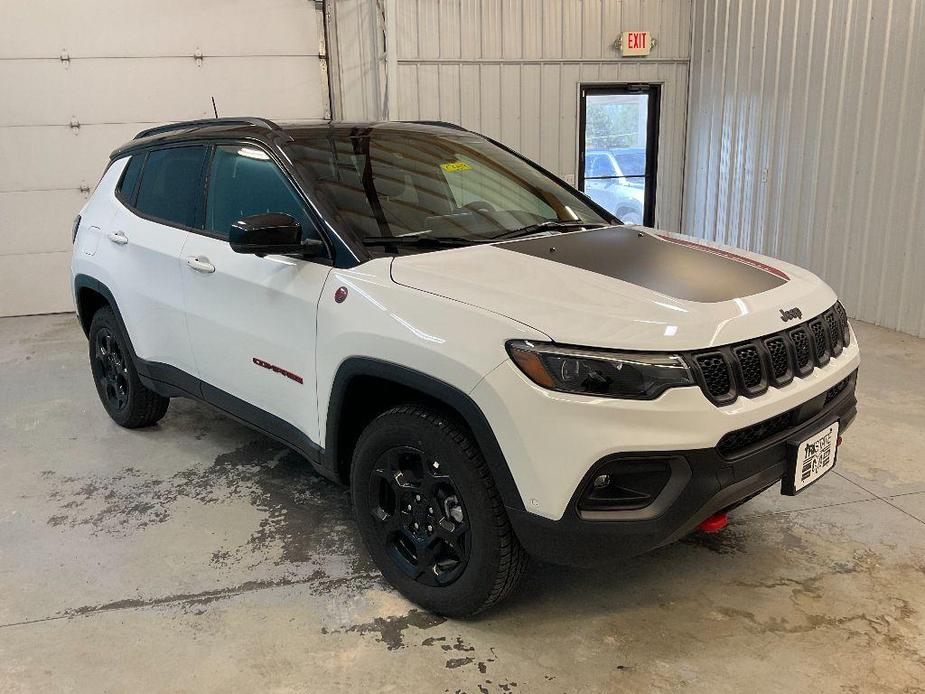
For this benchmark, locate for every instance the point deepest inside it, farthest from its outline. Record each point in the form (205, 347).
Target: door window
(619, 138)
(171, 184)
(244, 181)
(126, 189)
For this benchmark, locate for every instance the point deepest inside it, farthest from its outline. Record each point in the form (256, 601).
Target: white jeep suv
(494, 363)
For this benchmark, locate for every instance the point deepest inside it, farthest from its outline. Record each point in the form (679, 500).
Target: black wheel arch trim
(170, 381)
(455, 399)
(81, 282)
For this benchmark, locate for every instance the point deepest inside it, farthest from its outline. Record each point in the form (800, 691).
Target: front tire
(430, 514)
(122, 393)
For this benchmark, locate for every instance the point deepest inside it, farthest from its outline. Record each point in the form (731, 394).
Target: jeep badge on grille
(790, 314)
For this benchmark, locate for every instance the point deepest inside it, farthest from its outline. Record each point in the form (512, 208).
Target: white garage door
(77, 79)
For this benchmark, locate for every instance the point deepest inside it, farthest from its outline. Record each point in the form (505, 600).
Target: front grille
(750, 364)
(836, 390)
(780, 359)
(835, 333)
(740, 440)
(804, 352)
(842, 317)
(715, 374)
(749, 368)
(820, 344)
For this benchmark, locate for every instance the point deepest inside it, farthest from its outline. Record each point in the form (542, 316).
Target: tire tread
(145, 407)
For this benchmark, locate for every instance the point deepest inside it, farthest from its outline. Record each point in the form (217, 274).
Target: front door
(252, 319)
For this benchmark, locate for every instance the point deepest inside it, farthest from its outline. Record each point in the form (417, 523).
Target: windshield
(380, 183)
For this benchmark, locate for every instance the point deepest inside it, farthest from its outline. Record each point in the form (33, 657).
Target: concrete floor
(200, 556)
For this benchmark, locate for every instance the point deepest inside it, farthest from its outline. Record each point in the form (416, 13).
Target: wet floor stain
(303, 515)
(391, 630)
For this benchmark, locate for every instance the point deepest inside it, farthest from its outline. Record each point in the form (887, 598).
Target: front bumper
(705, 482)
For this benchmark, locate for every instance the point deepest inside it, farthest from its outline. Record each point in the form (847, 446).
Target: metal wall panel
(141, 28)
(355, 47)
(511, 70)
(807, 141)
(116, 68)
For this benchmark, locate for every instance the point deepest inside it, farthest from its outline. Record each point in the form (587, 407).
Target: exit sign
(635, 43)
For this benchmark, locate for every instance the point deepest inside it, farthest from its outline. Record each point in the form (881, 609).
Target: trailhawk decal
(276, 369)
(675, 268)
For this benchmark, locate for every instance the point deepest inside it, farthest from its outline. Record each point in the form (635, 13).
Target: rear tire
(430, 514)
(122, 393)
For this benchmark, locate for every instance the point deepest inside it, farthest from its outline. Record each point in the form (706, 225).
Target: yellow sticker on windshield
(452, 166)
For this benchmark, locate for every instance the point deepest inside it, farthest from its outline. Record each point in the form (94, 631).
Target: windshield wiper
(420, 241)
(549, 224)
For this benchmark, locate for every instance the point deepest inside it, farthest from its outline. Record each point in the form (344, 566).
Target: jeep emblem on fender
(790, 314)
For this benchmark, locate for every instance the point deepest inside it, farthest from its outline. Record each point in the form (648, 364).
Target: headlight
(592, 372)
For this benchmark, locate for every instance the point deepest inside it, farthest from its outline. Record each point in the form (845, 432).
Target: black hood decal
(670, 266)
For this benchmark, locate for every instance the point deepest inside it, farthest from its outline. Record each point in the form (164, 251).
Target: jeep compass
(496, 365)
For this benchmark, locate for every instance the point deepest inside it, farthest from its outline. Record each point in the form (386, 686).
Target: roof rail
(441, 123)
(180, 125)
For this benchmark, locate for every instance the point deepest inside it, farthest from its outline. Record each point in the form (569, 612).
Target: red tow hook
(714, 523)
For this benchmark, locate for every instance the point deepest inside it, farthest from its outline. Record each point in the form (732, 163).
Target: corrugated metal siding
(127, 65)
(511, 69)
(807, 142)
(355, 36)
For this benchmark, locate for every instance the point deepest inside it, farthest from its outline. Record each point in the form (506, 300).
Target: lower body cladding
(627, 503)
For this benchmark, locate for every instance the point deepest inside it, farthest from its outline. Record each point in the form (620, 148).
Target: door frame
(654, 90)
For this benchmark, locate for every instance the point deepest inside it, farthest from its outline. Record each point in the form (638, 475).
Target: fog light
(601, 481)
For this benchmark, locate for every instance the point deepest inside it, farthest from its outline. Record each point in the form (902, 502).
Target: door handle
(119, 238)
(200, 264)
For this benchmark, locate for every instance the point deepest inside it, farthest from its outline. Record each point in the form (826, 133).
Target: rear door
(252, 319)
(159, 195)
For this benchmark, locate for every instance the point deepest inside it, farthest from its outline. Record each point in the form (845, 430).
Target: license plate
(814, 457)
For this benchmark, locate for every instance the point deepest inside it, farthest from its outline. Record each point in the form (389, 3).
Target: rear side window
(244, 181)
(130, 176)
(171, 184)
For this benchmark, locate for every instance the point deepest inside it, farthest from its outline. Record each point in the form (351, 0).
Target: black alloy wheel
(420, 515)
(111, 370)
(124, 396)
(429, 513)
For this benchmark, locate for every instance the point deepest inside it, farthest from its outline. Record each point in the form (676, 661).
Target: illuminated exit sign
(635, 43)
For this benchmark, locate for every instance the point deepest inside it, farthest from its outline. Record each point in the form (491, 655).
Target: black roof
(263, 130)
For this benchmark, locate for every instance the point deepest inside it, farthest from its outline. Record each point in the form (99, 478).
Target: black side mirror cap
(273, 233)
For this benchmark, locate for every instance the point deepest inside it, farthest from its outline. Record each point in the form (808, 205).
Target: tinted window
(244, 181)
(171, 183)
(130, 176)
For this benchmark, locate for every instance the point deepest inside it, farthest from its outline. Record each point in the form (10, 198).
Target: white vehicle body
(275, 332)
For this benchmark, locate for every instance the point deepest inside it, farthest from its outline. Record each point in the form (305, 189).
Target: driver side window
(244, 181)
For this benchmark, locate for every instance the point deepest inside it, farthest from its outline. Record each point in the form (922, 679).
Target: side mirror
(273, 233)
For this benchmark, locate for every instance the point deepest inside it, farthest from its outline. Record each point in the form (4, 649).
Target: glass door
(619, 148)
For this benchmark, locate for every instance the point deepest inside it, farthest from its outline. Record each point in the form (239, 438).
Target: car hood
(622, 287)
